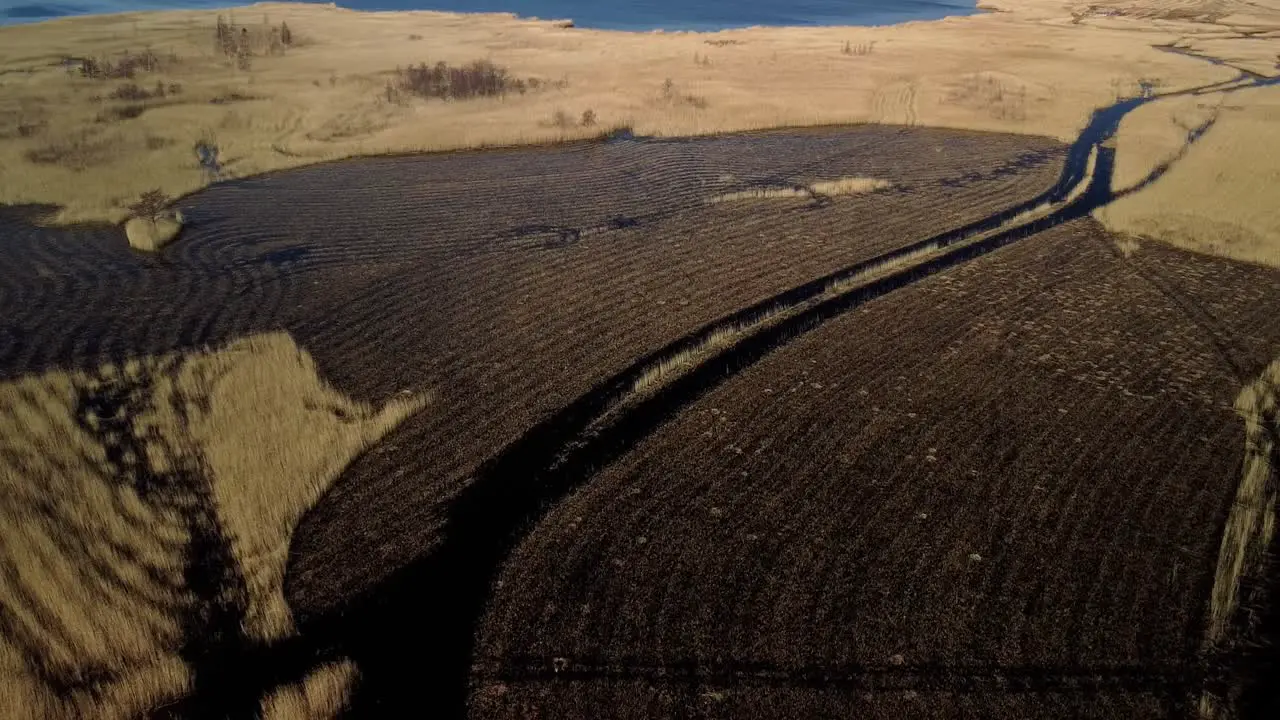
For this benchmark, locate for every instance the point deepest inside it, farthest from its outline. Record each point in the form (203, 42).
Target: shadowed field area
(146, 518)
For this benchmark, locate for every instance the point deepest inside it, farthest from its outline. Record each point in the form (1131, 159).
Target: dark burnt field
(994, 491)
(998, 492)
(462, 274)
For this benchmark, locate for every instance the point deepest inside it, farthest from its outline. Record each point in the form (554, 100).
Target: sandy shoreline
(1036, 68)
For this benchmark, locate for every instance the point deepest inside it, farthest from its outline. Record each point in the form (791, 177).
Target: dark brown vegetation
(631, 260)
(124, 66)
(479, 276)
(131, 91)
(514, 271)
(480, 78)
(150, 204)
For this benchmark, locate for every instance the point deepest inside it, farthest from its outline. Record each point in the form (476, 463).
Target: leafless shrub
(588, 118)
(150, 205)
(702, 60)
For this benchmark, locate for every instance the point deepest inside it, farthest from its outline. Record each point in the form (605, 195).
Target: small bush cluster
(132, 92)
(480, 78)
(859, 49)
(241, 42)
(124, 67)
(672, 97)
(124, 112)
(565, 121)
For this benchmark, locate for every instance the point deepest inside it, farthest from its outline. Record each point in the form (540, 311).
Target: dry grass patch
(1219, 198)
(106, 481)
(822, 188)
(1251, 523)
(1127, 246)
(320, 696)
(849, 186)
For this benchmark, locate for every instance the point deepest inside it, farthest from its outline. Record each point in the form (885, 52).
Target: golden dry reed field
(91, 144)
(121, 486)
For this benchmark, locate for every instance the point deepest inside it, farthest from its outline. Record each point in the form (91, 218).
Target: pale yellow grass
(320, 696)
(1220, 198)
(849, 186)
(830, 188)
(1156, 133)
(92, 567)
(1009, 71)
(1251, 522)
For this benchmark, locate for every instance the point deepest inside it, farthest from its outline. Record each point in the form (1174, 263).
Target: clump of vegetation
(702, 60)
(480, 78)
(722, 43)
(588, 118)
(1127, 246)
(125, 66)
(133, 92)
(124, 112)
(206, 151)
(983, 90)
(671, 96)
(241, 43)
(859, 49)
(561, 120)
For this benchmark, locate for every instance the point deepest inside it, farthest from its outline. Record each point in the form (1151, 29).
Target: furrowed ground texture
(506, 282)
(999, 492)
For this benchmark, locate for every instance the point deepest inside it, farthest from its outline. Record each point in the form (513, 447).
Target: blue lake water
(609, 14)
